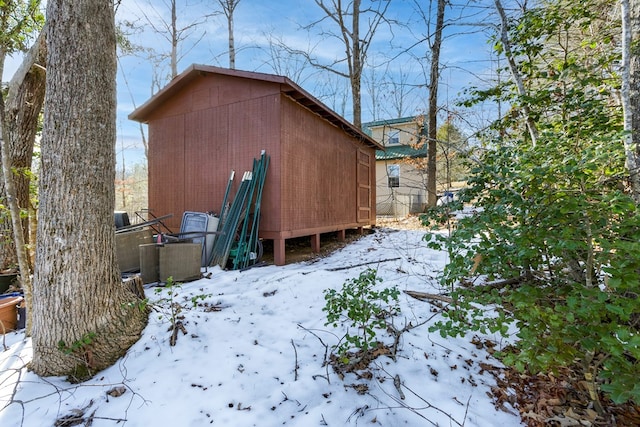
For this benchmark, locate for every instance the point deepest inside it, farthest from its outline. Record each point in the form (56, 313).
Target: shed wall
(320, 179)
(194, 143)
(166, 168)
(319, 174)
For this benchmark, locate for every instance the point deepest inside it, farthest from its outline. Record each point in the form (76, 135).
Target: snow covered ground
(254, 355)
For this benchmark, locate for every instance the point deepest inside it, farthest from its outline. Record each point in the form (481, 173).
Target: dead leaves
(556, 400)
(177, 326)
(352, 362)
(76, 417)
(117, 391)
(361, 389)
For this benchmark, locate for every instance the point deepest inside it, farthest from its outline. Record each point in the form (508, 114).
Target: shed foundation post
(342, 235)
(315, 243)
(278, 252)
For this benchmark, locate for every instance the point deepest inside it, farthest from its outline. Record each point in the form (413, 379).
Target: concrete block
(127, 252)
(180, 261)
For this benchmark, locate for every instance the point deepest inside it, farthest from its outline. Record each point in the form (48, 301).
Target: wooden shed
(209, 121)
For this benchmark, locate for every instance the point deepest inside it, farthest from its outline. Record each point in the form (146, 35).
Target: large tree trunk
(83, 318)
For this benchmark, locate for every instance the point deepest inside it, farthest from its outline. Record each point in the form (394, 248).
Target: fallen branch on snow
(361, 264)
(423, 296)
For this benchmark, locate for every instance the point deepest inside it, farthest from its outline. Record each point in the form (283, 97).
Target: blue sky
(393, 72)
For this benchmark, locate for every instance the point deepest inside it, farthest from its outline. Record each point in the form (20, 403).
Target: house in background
(401, 186)
(209, 120)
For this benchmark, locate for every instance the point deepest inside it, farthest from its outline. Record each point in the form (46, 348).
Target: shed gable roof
(288, 87)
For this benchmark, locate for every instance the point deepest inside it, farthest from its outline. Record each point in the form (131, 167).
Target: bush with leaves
(170, 307)
(553, 218)
(366, 308)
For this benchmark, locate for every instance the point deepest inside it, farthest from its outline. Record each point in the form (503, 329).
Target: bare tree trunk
(143, 136)
(181, 38)
(635, 77)
(515, 74)
(631, 90)
(356, 66)
(24, 104)
(228, 8)
(356, 44)
(25, 99)
(174, 40)
(83, 318)
(232, 47)
(432, 126)
(25, 96)
(11, 200)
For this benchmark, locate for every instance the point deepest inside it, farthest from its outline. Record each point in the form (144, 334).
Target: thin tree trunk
(12, 201)
(356, 72)
(635, 77)
(513, 68)
(174, 40)
(8, 257)
(83, 317)
(356, 44)
(232, 48)
(25, 99)
(228, 8)
(143, 136)
(19, 123)
(24, 104)
(432, 126)
(631, 91)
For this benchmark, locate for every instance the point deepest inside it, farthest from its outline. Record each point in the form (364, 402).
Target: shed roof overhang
(288, 87)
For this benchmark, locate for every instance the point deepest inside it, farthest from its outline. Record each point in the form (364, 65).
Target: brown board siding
(319, 172)
(254, 126)
(206, 146)
(206, 160)
(364, 184)
(166, 168)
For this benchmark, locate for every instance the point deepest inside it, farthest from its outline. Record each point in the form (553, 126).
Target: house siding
(411, 195)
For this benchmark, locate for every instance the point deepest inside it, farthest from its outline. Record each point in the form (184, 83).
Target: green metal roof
(400, 152)
(366, 127)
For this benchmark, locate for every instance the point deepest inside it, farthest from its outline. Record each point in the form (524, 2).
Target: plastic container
(9, 313)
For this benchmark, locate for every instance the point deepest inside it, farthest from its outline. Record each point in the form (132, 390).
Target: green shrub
(365, 308)
(553, 222)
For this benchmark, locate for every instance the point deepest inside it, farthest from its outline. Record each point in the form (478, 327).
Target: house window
(394, 137)
(393, 173)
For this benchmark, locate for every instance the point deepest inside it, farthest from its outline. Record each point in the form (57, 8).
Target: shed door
(364, 186)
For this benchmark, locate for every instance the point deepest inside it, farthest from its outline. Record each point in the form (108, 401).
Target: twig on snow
(397, 333)
(415, 410)
(466, 411)
(361, 264)
(325, 361)
(398, 386)
(295, 369)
